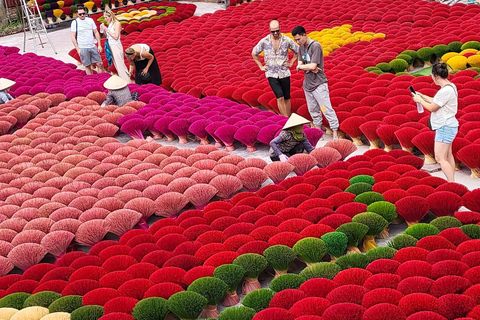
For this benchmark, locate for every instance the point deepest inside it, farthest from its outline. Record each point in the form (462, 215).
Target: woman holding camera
(443, 107)
(142, 58)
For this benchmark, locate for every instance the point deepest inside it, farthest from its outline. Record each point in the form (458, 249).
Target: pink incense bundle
(277, 171)
(302, 162)
(91, 232)
(252, 178)
(226, 134)
(169, 204)
(424, 141)
(180, 128)
(405, 136)
(211, 128)
(326, 156)
(313, 135)
(227, 185)
(345, 147)
(248, 136)
(162, 124)
(57, 242)
(267, 133)
(200, 194)
(198, 128)
(134, 128)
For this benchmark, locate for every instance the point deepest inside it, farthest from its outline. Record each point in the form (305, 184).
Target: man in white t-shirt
(82, 32)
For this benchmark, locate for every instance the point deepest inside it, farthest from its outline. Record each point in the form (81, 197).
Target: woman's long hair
(109, 13)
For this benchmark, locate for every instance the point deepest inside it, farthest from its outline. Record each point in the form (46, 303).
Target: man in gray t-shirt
(315, 84)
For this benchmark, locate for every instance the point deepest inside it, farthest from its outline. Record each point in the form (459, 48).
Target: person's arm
(131, 68)
(294, 48)
(425, 97)
(73, 33)
(430, 106)
(149, 57)
(99, 42)
(315, 56)
(108, 99)
(255, 53)
(258, 62)
(3, 97)
(441, 98)
(274, 144)
(307, 145)
(292, 61)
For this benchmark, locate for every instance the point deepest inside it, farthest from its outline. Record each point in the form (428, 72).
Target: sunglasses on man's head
(275, 31)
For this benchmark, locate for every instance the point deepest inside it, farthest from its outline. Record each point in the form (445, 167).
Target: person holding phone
(443, 107)
(315, 83)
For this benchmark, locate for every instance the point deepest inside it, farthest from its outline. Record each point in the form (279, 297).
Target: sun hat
(6, 83)
(295, 120)
(115, 83)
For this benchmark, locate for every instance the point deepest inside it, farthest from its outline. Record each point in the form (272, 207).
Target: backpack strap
(454, 89)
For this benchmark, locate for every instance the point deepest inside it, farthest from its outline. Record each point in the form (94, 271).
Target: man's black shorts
(280, 87)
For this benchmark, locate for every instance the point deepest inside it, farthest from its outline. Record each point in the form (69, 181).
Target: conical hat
(6, 83)
(295, 120)
(115, 83)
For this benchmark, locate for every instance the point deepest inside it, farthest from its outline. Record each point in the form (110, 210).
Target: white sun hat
(295, 120)
(6, 83)
(115, 83)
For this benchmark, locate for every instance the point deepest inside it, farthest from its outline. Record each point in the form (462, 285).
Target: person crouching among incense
(291, 140)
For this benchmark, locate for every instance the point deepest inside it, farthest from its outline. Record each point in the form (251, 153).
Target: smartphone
(412, 90)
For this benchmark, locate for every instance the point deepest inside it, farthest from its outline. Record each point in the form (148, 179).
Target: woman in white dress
(112, 32)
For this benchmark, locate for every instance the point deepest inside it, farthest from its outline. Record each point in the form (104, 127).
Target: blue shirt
(5, 97)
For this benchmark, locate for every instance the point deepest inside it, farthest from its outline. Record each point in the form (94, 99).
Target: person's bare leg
(451, 159)
(281, 106)
(88, 70)
(335, 134)
(288, 107)
(441, 155)
(100, 68)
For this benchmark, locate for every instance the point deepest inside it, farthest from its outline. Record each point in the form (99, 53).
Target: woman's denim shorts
(446, 134)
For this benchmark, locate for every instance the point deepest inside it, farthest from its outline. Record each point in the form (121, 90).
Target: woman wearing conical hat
(118, 92)
(5, 85)
(291, 140)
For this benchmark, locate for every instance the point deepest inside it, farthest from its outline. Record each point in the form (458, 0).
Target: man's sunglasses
(82, 14)
(275, 31)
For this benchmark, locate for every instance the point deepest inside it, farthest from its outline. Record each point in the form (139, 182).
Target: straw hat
(115, 83)
(6, 83)
(295, 120)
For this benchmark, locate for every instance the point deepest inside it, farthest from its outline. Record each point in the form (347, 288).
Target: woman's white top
(447, 99)
(143, 47)
(111, 29)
